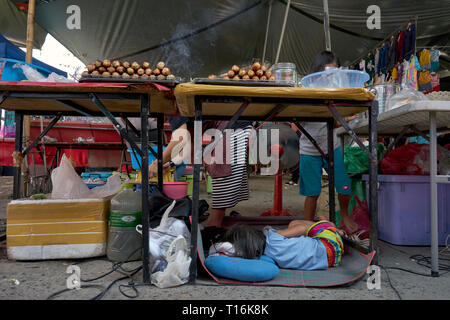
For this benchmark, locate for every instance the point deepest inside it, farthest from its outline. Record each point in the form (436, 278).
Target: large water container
(125, 215)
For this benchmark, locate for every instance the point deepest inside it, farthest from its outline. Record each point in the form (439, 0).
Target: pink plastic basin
(175, 190)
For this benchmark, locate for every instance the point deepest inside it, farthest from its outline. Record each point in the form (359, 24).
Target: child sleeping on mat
(303, 245)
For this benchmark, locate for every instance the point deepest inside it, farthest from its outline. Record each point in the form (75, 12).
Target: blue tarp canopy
(11, 51)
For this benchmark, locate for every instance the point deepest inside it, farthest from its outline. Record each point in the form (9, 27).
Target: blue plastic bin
(135, 163)
(92, 175)
(404, 209)
(15, 74)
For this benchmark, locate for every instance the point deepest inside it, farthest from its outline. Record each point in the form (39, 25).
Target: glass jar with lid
(285, 72)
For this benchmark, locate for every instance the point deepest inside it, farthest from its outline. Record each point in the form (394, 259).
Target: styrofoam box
(404, 209)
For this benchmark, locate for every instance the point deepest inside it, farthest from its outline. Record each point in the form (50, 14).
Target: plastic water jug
(125, 215)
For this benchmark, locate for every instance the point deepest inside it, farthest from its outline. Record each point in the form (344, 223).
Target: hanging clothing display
(425, 81)
(435, 85)
(409, 44)
(370, 66)
(377, 55)
(400, 42)
(362, 65)
(391, 58)
(382, 60)
(434, 59)
(425, 60)
(413, 68)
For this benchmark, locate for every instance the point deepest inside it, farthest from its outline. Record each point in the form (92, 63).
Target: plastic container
(16, 74)
(100, 175)
(383, 93)
(285, 72)
(136, 160)
(336, 78)
(125, 215)
(175, 190)
(404, 209)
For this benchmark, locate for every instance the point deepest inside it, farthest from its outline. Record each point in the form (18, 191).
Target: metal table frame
(409, 128)
(65, 99)
(273, 115)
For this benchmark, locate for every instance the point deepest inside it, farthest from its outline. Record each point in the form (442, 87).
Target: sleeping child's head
(248, 242)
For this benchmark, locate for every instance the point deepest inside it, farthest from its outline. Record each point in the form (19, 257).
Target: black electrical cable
(115, 268)
(390, 283)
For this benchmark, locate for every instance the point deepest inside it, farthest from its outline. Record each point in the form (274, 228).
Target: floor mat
(353, 266)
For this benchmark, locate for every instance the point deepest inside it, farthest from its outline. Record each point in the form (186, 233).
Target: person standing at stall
(226, 191)
(312, 163)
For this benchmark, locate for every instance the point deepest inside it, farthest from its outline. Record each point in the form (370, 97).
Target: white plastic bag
(30, 73)
(67, 184)
(111, 187)
(177, 271)
(33, 75)
(405, 96)
(161, 238)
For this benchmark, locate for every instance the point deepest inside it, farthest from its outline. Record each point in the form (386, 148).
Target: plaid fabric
(328, 235)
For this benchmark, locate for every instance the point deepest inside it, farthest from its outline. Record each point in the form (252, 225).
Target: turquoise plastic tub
(336, 78)
(15, 74)
(136, 158)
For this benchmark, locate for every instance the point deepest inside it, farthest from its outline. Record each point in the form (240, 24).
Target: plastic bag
(360, 214)
(409, 159)
(67, 184)
(30, 73)
(178, 261)
(356, 159)
(111, 187)
(33, 75)
(403, 97)
(162, 237)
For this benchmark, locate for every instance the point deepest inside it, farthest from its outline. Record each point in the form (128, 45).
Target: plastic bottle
(125, 215)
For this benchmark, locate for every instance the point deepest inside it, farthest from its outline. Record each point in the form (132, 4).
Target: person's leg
(342, 185)
(215, 219)
(310, 207)
(310, 183)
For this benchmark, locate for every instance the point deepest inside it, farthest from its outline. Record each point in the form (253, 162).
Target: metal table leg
(196, 188)
(373, 179)
(145, 107)
(330, 156)
(434, 197)
(18, 148)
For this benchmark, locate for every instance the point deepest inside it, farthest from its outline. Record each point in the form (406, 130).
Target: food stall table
(271, 103)
(92, 100)
(415, 119)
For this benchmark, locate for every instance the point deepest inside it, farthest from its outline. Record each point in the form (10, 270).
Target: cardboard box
(56, 229)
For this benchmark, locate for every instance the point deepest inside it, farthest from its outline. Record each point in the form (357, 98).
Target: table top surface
(393, 121)
(221, 100)
(49, 97)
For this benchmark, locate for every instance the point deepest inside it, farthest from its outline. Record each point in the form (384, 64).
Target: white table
(414, 119)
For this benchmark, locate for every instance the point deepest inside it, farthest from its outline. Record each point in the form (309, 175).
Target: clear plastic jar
(285, 72)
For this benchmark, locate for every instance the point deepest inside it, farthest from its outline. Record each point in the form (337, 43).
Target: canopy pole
(29, 59)
(29, 55)
(326, 25)
(267, 32)
(288, 6)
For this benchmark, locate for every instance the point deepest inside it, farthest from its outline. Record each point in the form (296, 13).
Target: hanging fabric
(435, 85)
(434, 59)
(400, 42)
(425, 81)
(425, 60)
(409, 45)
